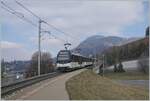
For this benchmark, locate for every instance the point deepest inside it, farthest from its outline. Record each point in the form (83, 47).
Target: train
(69, 61)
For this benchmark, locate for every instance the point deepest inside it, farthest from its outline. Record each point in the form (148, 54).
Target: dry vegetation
(129, 75)
(89, 86)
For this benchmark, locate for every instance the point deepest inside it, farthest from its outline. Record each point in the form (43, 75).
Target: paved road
(140, 83)
(51, 89)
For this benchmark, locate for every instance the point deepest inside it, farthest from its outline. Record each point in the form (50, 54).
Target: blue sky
(138, 29)
(80, 19)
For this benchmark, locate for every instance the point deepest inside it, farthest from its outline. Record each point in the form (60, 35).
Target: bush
(143, 62)
(120, 68)
(115, 68)
(143, 65)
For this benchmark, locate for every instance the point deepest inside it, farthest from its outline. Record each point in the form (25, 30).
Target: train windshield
(63, 56)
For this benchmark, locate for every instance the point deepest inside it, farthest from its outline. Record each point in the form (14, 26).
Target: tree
(115, 68)
(143, 65)
(147, 31)
(143, 61)
(46, 64)
(3, 68)
(120, 67)
(112, 55)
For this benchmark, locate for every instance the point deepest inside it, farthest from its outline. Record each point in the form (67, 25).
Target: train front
(63, 60)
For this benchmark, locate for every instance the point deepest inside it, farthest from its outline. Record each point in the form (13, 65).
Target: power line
(54, 36)
(59, 30)
(12, 11)
(62, 40)
(21, 16)
(27, 9)
(39, 17)
(50, 25)
(7, 10)
(48, 32)
(7, 6)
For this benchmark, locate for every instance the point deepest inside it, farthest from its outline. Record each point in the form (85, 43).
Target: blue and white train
(68, 61)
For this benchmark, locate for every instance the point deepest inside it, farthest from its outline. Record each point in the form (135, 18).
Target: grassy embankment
(89, 86)
(130, 75)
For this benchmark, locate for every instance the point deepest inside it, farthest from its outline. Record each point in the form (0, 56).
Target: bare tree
(2, 68)
(147, 31)
(143, 61)
(46, 64)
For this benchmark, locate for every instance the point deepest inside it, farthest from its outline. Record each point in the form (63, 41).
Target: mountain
(97, 44)
(128, 40)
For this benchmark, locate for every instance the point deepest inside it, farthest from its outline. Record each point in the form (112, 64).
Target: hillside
(129, 51)
(97, 44)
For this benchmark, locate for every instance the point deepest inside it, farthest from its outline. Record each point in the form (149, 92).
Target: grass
(89, 86)
(127, 75)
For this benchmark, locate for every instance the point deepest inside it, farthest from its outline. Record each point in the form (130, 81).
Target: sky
(79, 19)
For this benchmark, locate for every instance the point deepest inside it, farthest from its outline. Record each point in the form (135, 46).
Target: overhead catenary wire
(7, 6)
(27, 9)
(12, 11)
(50, 25)
(22, 17)
(55, 37)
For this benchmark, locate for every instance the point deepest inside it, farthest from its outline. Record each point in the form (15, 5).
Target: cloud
(85, 18)
(80, 19)
(49, 44)
(91, 16)
(14, 51)
(8, 45)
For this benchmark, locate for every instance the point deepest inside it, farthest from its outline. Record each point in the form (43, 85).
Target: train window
(63, 58)
(64, 55)
(64, 52)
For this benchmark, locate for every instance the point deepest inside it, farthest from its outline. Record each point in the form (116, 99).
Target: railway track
(8, 89)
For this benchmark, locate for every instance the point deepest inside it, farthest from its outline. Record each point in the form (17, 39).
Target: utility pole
(39, 45)
(103, 63)
(39, 48)
(95, 62)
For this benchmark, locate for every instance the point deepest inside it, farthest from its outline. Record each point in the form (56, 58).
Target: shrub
(120, 67)
(143, 65)
(115, 68)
